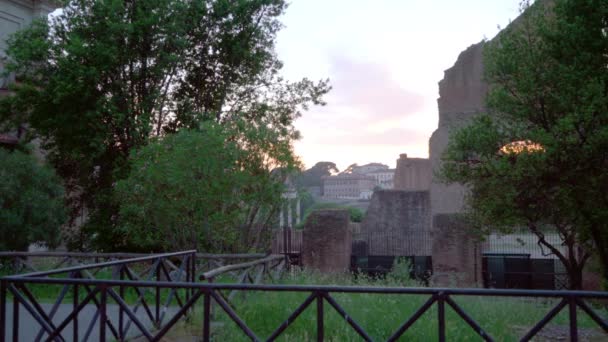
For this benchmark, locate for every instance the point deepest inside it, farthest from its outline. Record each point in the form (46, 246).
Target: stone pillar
(456, 253)
(327, 241)
(289, 215)
(281, 216)
(413, 174)
(298, 211)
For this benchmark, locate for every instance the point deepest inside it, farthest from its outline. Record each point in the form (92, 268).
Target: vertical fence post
(320, 332)
(211, 310)
(3, 310)
(572, 318)
(75, 320)
(15, 319)
(206, 316)
(121, 294)
(157, 296)
(193, 272)
(102, 314)
(441, 316)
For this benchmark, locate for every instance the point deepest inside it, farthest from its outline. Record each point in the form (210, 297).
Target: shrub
(31, 202)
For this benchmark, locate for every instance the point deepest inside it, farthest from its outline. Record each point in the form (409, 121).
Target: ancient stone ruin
(397, 223)
(327, 241)
(412, 174)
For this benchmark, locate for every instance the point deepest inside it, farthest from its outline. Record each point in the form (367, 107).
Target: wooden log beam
(215, 272)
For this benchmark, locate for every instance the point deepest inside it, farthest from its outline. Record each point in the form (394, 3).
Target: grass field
(505, 319)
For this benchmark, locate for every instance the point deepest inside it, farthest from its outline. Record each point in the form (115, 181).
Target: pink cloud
(370, 89)
(393, 136)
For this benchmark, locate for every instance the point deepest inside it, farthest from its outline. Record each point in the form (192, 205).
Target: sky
(384, 59)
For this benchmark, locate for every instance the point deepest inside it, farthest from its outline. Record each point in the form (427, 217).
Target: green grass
(505, 319)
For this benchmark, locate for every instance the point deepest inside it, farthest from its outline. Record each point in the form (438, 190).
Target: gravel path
(29, 327)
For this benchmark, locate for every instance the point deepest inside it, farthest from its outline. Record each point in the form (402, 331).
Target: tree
(31, 203)
(350, 169)
(314, 175)
(537, 159)
(203, 189)
(103, 77)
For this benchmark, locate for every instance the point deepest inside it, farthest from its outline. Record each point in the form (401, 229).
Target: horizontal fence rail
(104, 291)
(158, 311)
(39, 261)
(157, 267)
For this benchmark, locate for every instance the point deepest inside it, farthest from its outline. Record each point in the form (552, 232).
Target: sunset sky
(384, 59)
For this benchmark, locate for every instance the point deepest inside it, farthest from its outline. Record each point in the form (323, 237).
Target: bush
(202, 189)
(31, 202)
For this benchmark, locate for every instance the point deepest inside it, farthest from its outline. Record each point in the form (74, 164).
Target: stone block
(413, 174)
(456, 252)
(397, 223)
(327, 241)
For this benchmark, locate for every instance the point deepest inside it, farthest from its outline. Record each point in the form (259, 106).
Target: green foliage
(202, 189)
(314, 175)
(549, 85)
(401, 271)
(31, 203)
(306, 201)
(104, 77)
(356, 214)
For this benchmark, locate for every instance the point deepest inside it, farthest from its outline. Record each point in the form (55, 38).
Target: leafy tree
(202, 189)
(314, 175)
(350, 169)
(31, 203)
(538, 158)
(103, 77)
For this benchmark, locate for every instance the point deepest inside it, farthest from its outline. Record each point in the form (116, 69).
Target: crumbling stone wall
(456, 253)
(327, 241)
(412, 174)
(397, 223)
(462, 95)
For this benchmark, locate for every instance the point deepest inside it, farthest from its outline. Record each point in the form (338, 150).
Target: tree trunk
(601, 246)
(575, 274)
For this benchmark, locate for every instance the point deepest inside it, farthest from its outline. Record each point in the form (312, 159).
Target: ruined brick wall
(412, 174)
(397, 223)
(456, 253)
(461, 96)
(327, 241)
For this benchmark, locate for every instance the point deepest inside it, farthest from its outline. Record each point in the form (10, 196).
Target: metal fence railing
(148, 293)
(168, 267)
(21, 262)
(103, 291)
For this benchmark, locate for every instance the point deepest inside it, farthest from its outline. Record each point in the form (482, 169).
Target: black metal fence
(519, 271)
(103, 291)
(174, 275)
(20, 262)
(89, 289)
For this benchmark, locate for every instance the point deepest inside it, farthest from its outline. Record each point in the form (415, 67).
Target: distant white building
(367, 168)
(14, 16)
(384, 178)
(366, 194)
(347, 185)
(18, 14)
